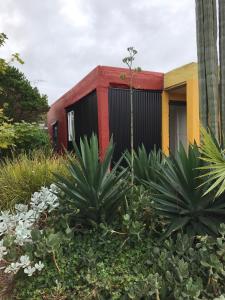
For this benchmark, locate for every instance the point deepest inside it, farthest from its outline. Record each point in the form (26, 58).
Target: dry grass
(26, 174)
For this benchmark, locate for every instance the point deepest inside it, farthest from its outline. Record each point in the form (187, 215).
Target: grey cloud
(62, 40)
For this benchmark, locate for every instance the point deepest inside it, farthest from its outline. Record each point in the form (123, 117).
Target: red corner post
(103, 119)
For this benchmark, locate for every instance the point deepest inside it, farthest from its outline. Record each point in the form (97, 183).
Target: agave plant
(214, 156)
(145, 164)
(93, 193)
(180, 196)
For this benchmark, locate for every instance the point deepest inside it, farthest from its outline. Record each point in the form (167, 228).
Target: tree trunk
(201, 64)
(222, 66)
(206, 22)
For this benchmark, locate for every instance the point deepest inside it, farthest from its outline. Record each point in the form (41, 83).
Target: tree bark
(206, 24)
(222, 66)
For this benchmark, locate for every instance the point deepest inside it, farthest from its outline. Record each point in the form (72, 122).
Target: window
(71, 129)
(55, 137)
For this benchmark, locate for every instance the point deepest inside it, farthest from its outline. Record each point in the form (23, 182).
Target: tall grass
(26, 174)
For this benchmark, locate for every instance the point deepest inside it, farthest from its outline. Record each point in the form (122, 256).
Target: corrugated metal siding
(55, 136)
(147, 119)
(85, 117)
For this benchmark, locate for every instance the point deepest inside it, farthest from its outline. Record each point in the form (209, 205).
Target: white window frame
(70, 126)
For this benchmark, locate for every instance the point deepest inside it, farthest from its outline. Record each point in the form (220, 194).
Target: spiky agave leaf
(93, 189)
(180, 197)
(145, 164)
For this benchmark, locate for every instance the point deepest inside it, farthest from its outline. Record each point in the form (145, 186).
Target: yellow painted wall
(193, 122)
(180, 75)
(184, 76)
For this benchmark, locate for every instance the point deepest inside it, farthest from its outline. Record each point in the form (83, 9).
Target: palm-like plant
(145, 164)
(181, 198)
(93, 193)
(214, 156)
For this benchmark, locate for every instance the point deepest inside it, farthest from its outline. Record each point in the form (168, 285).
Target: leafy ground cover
(98, 266)
(102, 238)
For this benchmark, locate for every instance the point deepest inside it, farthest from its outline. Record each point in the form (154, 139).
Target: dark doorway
(178, 125)
(147, 119)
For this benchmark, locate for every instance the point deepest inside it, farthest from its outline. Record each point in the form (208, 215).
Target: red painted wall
(99, 79)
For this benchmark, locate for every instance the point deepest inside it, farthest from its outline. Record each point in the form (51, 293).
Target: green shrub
(139, 215)
(94, 193)
(100, 267)
(21, 137)
(30, 136)
(7, 133)
(22, 176)
(180, 196)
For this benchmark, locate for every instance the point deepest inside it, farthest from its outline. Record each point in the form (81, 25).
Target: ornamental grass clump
(21, 176)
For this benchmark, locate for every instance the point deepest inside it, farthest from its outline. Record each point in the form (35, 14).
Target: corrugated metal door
(85, 117)
(147, 119)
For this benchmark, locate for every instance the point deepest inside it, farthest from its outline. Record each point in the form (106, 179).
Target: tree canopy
(19, 99)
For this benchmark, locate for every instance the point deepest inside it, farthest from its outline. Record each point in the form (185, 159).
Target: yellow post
(192, 100)
(165, 122)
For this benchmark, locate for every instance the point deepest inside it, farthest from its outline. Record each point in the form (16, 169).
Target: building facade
(166, 109)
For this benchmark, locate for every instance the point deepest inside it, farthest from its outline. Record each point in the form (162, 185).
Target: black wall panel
(147, 119)
(85, 117)
(55, 129)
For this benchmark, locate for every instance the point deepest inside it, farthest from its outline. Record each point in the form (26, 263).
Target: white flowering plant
(21, 233)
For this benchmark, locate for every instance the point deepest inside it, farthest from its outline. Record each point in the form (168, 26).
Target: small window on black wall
(55, 135)
(71, 128)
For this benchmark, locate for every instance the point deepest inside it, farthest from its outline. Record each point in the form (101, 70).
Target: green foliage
(180, 196)
(21, 136)
(214, 156)
(128, 60)
(140, 215)
(19, 99)
(3, 38)
(146, 164)
(3, 63)
(22, 176)
(123, 257)
(96, 267)
(94, 193)
(14, 57)
(30, 136)
(7, 133)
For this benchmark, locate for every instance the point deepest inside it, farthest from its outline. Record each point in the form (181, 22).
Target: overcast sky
(62, 40)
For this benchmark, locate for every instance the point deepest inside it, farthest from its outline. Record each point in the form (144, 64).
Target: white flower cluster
(3, 250)
(25, 263)
(45, 199)
(19, 225)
